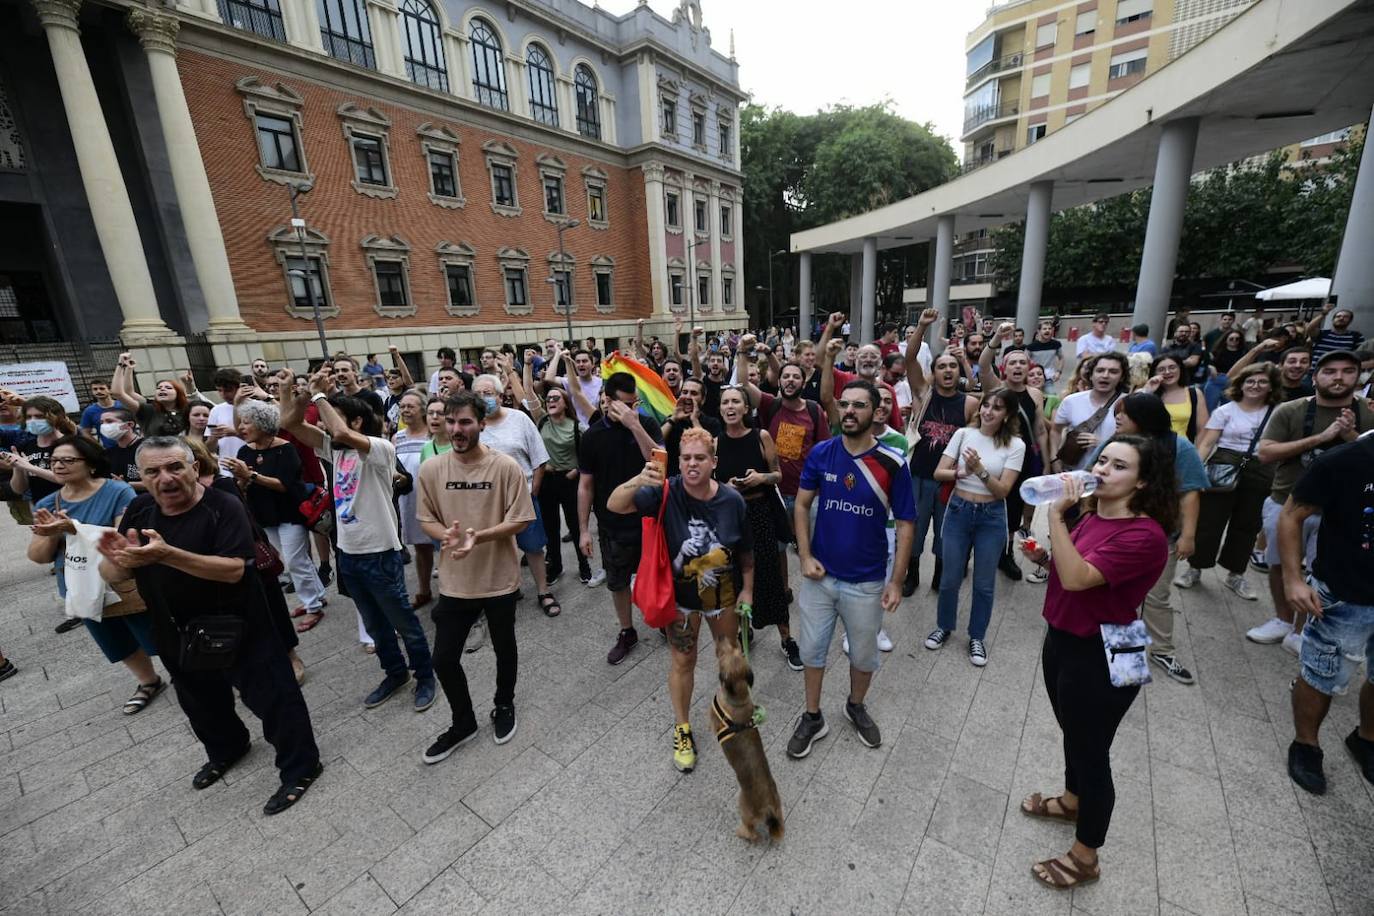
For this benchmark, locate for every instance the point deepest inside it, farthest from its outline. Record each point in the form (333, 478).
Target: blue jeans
(377, 584)
(928, 509)
(982, 528)
(1214, 392)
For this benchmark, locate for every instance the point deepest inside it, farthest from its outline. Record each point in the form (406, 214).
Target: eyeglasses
(65, 462)
(1256, 382)
(857, 405)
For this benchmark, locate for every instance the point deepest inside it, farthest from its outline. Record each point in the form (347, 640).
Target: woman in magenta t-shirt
(1099, 573)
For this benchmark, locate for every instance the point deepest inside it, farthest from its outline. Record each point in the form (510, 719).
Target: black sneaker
(71, 623)
(863, 723)
(789, 648)
(326, 573)
(1305, 767)
(811, 728)
(7, 670)
(937, 638)
(503, 721)
(1008, 565)
(1173, 667)
(447, 743)
(384, 690)
(1361, 749)
(553, 576)
(977, 653)
(626, 641)
(913, 577)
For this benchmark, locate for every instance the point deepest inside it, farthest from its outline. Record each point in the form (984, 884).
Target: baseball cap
(1344, 355)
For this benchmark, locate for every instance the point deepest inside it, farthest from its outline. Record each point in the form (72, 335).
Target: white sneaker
(1237, 583)
(1293, 643)
(1271, 631)
(598, 578)
(1038, 576)
(845, 644)
(477, 637)
(884, 644)
(1187, 577)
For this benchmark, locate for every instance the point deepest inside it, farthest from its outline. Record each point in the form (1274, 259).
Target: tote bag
(653, 590)
(87, 593)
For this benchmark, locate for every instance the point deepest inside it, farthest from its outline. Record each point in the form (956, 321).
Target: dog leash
(745, 610)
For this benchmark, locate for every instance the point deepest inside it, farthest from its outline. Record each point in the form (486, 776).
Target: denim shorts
(1270, 519)
(1334, 644)
(858, 604)
(120, 637)
(533, 537)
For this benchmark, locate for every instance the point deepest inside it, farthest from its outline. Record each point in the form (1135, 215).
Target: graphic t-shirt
(364, 516)
(854, 496)
(122, 464)
(1341, 484)
(1129, 552)
(794, 433)
(937, 425)
(481, 494)
(705, 539)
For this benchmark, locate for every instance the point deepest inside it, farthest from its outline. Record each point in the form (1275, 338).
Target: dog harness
(729, 727)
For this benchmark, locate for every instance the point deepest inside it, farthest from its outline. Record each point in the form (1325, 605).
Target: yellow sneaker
(684, 748)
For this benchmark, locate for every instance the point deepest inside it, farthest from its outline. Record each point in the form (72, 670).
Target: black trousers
(1088, 709)
(262, 674)
(558, 493)
(453, 619)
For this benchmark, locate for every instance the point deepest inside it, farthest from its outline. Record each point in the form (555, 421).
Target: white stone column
(937, 293)
(157, 33)
(713, 226)
(1037, 241)
(608, 131)
(567, 105)
(1164, 228)
(302, 24)
(648, 98)
(737, 215)
(1353, 281)
(459, 64)
(868, 293)
(804, 296)
(106, 193)
(205, 9)
(658, 237)
(386, 38)
(516, 86)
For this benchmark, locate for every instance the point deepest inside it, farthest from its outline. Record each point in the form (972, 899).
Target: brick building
(434, 148)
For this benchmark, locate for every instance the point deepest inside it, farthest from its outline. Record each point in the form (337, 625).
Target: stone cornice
(155, 31)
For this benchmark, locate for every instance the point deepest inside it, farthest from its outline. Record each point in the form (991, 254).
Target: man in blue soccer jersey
(858, 482)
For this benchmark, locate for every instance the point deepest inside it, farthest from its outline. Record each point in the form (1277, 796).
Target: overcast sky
(801, 56)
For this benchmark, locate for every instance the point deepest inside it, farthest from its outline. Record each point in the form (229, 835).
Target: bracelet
(318, 396)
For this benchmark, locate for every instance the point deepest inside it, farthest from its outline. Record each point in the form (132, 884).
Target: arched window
(488, 66)
(343, 26)
(260, 16)
(588, 106)
(543, 101)
(424, 44)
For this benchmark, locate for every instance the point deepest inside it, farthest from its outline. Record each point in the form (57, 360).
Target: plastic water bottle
(1050, 488)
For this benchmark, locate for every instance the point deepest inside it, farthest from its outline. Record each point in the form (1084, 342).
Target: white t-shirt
(1092, 345)
(517, 436)
(903, 392)
(1253, 329)
(1077, 408)
(1237, 425)
(996, 458)
(922, 355)
(364, 515)
(223, 414)
(591, 390)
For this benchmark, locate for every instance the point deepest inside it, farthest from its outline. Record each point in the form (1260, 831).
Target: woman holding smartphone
(1100, 571)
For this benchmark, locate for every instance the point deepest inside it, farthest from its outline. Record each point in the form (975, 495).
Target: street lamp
(563, 265)
(691, 287)
(304, 273)
(771, 256)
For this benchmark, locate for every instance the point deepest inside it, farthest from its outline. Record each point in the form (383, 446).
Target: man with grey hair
(190, 549)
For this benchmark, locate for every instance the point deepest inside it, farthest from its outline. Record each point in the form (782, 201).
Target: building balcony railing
(986, 113)
(978, 162)
(1010, 62)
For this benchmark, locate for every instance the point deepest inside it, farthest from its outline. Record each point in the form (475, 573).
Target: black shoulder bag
(1224, 475)
(211, 642)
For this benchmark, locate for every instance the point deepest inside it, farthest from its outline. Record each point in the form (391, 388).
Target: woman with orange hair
(165, 414)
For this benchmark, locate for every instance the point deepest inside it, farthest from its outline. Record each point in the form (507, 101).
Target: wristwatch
(983, 474)
(252, 476)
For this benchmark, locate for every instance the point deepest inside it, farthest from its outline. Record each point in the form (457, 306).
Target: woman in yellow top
(1186, 405)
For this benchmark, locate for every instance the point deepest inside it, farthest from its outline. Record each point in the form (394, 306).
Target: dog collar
(729, 727)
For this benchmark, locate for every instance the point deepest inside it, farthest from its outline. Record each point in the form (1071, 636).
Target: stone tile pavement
(583, 812)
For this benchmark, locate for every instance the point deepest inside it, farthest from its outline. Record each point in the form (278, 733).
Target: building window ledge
(450, 203)
(505, 210)
(283, 177)
(380, 191)
(674, 230)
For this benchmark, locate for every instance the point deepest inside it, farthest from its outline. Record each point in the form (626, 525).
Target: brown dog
(732, 715)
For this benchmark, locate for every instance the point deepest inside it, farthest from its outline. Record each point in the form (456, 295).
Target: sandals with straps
(549, 605)
(1037, 805)
(1059, 876)
(286, 796)
(210, 773)
(144, 695)
(309, 621)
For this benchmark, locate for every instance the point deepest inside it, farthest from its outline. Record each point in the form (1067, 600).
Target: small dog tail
(774, 824)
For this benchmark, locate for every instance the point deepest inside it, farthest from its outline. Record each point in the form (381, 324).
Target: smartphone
(660, 457)
(248, 380)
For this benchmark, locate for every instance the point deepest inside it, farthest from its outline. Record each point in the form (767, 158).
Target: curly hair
(697, 434)
(1235, 388)
(1158, 499)
(262, 415)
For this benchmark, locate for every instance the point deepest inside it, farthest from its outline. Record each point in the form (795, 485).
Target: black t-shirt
(941, 420)
(269, 507)
(122, 466)
(1224, 359)
(374, 400)
(1303, 390)
(40, 456)
(610, 454)
(154, 422)
(678, 427)
(1341, 484)
(217, 526)
(705, 539)
(811, 388)
(710, 401)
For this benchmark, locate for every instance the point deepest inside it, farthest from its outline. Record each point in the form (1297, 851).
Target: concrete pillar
(658, 237)
(804, 296)
(1354, 279)
(157, 33)
(856, 279)
(868, 293)
(106, 193)
(713, 226)
(1173, 168)
(937, 294)
(1033, 256)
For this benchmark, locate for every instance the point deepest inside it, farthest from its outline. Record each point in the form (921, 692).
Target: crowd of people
(1243, 447)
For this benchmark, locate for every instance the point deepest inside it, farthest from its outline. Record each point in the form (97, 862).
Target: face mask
(38, 427)
(491, 403)
(111, 430)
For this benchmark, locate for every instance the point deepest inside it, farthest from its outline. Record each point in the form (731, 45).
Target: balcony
(978, 162)
(1010, 62)
(985, 113)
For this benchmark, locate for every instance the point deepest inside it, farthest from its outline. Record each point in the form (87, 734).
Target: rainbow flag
(656, 399)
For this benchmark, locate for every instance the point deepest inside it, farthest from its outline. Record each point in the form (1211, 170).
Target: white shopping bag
(87, 594)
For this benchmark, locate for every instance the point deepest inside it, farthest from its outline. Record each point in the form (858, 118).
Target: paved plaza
(582, 812)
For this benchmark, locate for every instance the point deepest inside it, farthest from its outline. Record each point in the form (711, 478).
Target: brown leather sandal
(1036, 805)
(1059, 876)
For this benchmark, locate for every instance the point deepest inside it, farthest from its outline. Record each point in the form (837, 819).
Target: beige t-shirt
(479, 495)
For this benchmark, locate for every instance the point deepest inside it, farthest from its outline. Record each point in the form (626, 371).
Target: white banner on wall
(51, 380)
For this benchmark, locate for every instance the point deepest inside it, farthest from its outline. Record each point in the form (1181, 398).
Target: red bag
(318, 511)
(653, 590)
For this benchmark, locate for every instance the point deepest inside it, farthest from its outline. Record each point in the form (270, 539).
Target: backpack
(766, 415)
